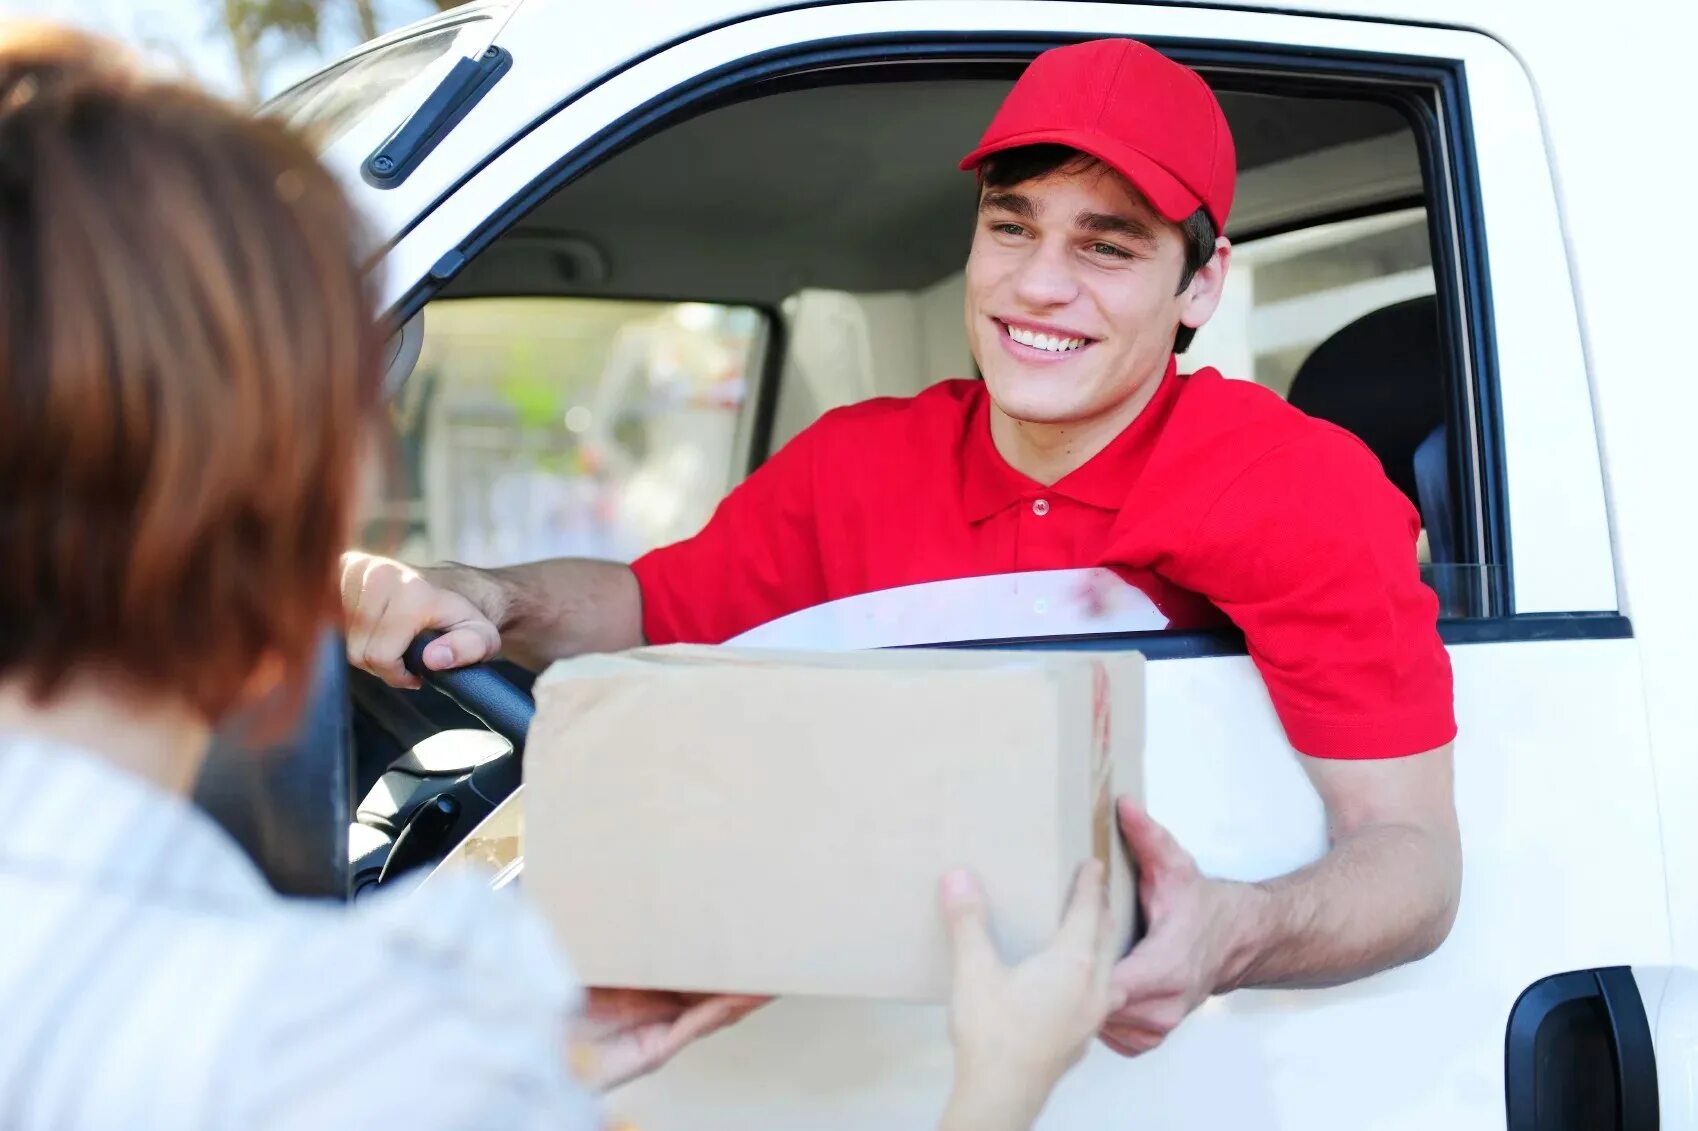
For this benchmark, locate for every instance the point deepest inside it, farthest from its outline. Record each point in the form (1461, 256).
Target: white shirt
(149, 979)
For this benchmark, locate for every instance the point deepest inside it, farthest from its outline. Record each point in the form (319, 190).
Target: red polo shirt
(1219, 501)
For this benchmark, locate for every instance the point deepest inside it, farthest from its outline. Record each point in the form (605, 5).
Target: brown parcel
(751, 821)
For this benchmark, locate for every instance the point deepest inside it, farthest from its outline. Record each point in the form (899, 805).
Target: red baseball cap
(1150, 119)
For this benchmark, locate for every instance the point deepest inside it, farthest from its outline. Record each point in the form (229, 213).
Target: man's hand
(624, 1034)
(1191, 942)
(1018, 1029)
(1385, 893)
(389, 603)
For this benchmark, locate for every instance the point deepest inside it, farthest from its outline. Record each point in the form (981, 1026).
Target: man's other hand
(1189, 947)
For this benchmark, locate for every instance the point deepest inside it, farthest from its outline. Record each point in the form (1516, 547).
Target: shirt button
(1040, 507)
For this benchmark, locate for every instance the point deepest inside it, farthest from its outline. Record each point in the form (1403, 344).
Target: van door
(1555, 785)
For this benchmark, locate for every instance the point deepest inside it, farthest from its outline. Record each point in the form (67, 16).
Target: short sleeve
(758, 557)
(446, 1008)
(1311, 552)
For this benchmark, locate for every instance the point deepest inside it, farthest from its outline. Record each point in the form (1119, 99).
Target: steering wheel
(479, 691)
(436, 825)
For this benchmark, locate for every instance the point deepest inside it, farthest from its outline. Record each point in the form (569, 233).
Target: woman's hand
(1018, 1029)
(624, 1034)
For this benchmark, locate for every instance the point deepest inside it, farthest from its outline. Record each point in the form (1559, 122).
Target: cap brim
(1171, 199)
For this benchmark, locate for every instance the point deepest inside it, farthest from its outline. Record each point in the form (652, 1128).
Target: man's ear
(1197, 304)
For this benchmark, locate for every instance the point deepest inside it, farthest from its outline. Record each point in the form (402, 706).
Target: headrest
(1382, 378)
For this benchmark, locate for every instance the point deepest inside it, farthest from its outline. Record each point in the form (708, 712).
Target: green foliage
(256, 27)
(295, 20)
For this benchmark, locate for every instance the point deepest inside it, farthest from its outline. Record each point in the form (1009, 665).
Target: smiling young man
(1105, 184)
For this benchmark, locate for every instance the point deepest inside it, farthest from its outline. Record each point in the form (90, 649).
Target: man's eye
(1008, 229)
(1110, 250)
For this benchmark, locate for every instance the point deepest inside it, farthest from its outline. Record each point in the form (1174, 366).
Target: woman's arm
(1017, 1030)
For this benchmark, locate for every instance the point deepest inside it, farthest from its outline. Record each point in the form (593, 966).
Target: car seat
(289, 804)
(1383, 378)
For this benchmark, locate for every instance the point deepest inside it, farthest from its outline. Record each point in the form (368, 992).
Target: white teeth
(1046, 342)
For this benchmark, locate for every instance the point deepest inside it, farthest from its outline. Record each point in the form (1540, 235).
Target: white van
(638, 246)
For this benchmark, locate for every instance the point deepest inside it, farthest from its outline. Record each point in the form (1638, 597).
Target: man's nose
(1045, 277)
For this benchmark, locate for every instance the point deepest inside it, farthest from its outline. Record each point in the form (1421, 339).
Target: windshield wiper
(465, 84)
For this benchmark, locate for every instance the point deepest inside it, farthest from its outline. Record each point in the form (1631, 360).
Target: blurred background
(244, 49)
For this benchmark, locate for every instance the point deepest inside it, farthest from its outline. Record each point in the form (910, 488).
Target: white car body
(1577, 761)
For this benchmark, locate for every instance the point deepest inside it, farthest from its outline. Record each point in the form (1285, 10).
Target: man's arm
(533, 613)
(1384, 894)
(553, 609)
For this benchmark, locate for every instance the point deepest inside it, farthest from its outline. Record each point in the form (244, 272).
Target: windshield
(327, 105)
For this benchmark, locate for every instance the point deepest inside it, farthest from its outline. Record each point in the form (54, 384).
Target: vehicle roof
(1497, 17)
(1514, 22)
(1572, 61)
(1609, 84)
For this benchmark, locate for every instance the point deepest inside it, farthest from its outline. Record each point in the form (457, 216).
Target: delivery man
(1105, 182)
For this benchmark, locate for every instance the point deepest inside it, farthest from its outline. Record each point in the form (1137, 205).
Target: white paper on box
(759, 821)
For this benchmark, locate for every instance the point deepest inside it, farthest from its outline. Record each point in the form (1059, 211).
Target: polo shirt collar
(989, 485)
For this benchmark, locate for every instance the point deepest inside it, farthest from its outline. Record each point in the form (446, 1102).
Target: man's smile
(1040, 341)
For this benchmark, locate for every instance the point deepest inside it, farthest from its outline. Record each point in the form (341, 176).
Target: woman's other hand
(1018, 1029)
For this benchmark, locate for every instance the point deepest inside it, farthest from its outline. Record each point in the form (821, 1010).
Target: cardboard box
(754, 821)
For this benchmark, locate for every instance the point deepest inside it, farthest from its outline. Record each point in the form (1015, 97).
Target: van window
(859, 249)
(1289, 293)
(544, 427)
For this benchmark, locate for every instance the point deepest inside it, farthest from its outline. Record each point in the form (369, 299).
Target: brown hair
(188, 358)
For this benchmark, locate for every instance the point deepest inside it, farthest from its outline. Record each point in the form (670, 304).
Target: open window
(816, 219)
(539, 425)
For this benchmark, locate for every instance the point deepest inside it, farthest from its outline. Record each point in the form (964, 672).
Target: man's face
(1071, 304)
